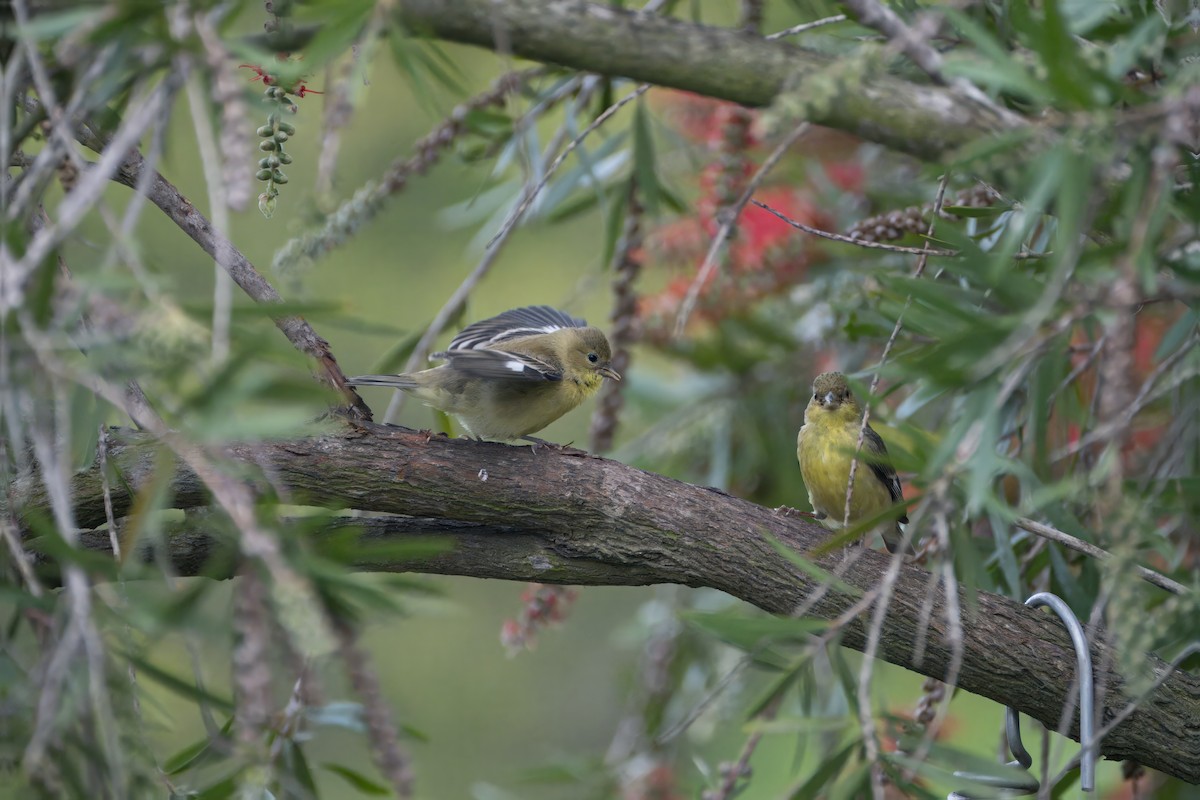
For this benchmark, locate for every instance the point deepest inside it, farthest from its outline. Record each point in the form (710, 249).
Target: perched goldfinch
(825, 448)
(512, 375)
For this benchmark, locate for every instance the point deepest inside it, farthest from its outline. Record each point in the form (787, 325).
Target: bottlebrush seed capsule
(281, 137)
(287, 128)
(265, 131)
(263, 174)
(284, 158)
(267, 144)
(279, 177)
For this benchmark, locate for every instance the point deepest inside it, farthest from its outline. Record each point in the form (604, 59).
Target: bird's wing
(513, 324)
(883, 469)
(501, 364)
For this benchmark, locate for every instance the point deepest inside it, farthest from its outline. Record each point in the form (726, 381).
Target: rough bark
(930, 122)
(563, 518)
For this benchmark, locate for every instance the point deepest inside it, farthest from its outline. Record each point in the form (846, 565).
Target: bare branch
(1087, 548)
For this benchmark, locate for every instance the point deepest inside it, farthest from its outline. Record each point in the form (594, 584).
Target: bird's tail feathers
(893, 537)
(390, 381)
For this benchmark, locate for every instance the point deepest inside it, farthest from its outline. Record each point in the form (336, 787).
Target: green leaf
(222, 789)
(829, 768)
(997, 68)
(356, 779)
(811, 569)
(644, 166)
(489, 123)
(181, 687)
(49, 542)
(339, 27)
(201, 752)
(615, 223)
(296, 764)
(594, 173)
(53, 25)
(977, 212)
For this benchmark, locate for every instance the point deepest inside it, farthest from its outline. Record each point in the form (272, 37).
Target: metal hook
(1027, 785)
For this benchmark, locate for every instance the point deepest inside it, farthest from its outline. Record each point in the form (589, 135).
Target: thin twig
(515, 215)
(20, 557)
(870, 740)
(627, 265)
(735, 772)
(222, 312)
(807, 26)
(113, 535)
(730, 217)
(1144, 397)
(872, 14)
(371, 198)
(954, 634)
(81, 199)
(838, 237)
(1078, 370)
(389, 755)
(1087, 548)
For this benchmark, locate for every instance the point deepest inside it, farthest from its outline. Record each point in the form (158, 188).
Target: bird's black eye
(592, 357)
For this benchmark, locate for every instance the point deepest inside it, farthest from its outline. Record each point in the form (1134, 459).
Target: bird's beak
(827, 401)
(609, 372)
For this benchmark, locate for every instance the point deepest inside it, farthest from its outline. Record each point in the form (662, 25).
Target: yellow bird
(825, 447)
(511, 375)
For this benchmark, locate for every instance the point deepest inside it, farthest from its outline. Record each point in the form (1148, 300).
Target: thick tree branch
(929, 122)
(561, 518)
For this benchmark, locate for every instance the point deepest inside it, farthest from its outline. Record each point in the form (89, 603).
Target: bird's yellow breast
(825, 449)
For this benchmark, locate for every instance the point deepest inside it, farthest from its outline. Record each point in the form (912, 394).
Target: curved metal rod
(1087, 695)
(1012, 723)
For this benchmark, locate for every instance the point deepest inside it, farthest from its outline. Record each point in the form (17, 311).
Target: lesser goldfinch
(512, 375)
(825, 447)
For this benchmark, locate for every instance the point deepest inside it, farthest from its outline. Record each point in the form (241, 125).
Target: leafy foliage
(1048, 371)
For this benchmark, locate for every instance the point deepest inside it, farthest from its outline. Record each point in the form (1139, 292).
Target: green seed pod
(265, 131)
(279, 177)
(284, 158)
(287, 128)
(263, 175)
(272, 162)
(281, 137)
(267, 144)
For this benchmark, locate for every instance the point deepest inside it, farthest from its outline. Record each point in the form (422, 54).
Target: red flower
(299, 88)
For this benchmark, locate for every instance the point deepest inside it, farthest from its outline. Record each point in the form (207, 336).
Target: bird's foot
(788, 511)
(565, 449)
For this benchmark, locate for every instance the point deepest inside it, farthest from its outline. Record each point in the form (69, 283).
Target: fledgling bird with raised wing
(509, 376)
(825, 447)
